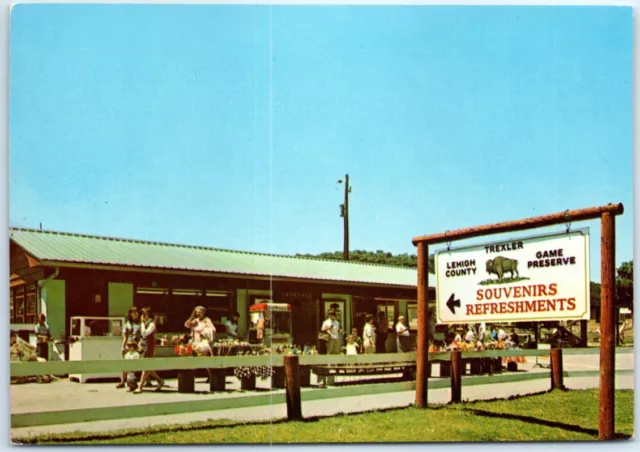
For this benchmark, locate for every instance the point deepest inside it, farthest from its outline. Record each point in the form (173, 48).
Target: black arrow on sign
(451, 303)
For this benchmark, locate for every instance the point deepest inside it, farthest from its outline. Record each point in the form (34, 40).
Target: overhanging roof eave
(192, 272)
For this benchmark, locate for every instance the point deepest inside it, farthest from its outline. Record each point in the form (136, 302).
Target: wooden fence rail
(246, 401)
(22, 369)
(252, 401)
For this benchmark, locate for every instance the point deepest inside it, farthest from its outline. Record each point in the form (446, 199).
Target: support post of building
(292, 387)
(557, 381)
(422, 354)
(456, 376)
(606, 422)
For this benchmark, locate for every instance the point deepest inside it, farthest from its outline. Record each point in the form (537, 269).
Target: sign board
(531, 279)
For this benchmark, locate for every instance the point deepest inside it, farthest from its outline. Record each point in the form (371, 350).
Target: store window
(389, 309)
(338, 306)
(412, 315)
(218, 304)
(20, 305)
(156, 299)
(12, 312)
(32, 304)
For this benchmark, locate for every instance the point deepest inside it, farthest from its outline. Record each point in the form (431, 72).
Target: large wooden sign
(533, 279)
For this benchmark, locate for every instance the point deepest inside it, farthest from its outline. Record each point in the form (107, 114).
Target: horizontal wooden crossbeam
(23, 369)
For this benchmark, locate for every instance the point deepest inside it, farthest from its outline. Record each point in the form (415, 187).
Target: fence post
(292, 384)
(556, 369)
(186, 381)
(422, 340)
(456, 376)
(606, 420)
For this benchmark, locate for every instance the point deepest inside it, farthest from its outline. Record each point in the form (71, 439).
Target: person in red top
(148, 348)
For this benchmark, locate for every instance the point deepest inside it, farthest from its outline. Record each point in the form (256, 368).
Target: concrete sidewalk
(30, 398)
(328, 407)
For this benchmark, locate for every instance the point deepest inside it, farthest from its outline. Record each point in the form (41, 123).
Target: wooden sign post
(607, 324)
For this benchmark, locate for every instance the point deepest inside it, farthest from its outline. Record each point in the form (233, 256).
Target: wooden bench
(407, 369)
(217, 380)
(476, 366)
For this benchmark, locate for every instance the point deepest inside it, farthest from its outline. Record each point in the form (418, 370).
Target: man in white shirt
(403, 335)
(43, 337)
(471, 336)
(332, 326)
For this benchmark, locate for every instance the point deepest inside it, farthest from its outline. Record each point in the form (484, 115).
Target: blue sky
(228, 126)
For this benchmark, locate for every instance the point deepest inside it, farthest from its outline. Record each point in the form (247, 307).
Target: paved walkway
(63, 394)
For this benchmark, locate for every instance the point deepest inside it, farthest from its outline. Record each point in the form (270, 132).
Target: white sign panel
(531, 279)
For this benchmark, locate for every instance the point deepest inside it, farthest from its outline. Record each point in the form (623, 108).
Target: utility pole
(344, 213)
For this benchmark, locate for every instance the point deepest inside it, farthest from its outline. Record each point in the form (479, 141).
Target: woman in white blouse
(402, 335)
(369, 335)
(202, 330)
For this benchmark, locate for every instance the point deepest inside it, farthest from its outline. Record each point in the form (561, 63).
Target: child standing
(132, 353)
(352, 345)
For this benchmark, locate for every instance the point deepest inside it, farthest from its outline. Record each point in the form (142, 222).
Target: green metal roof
(59, 248)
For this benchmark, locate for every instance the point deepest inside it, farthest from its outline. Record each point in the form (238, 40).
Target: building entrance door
(361, 307)
(306, 325)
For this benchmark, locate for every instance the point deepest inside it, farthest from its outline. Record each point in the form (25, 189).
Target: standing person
(354, 333)
(43, 337)
(331, 347)
(132, 353)
(623, 329)
(264, 324)
(352, 345)
(403, 335)
(202, 330)
(482, 333)
(382, 333)
(470, 337)
(332, 326)
(515, 339)
(130, 333)
(147, 348)
(369, 335)
(231, 326)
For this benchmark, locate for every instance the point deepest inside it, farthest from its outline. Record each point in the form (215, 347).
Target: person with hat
(458, 337)
(332, 326)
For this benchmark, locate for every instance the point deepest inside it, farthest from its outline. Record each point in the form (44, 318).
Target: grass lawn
(550, 416)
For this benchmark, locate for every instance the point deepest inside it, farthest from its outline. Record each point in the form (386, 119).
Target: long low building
(65, 275)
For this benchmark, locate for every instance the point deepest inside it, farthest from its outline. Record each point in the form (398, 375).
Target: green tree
(624, 285)
(378, 257)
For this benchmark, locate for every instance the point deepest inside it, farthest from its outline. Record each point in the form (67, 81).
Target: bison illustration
(501, 265)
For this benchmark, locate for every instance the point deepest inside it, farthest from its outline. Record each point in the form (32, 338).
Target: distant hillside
(378, 257)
